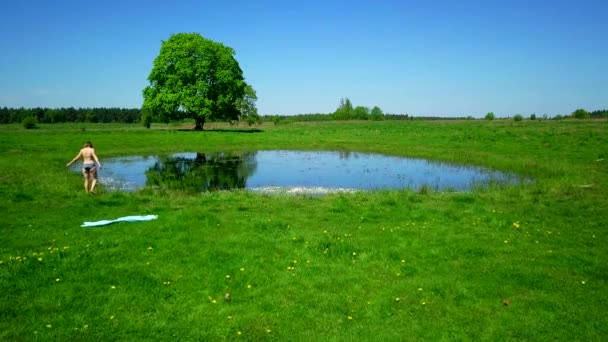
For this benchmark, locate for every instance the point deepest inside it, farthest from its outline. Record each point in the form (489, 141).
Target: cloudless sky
(434, 57)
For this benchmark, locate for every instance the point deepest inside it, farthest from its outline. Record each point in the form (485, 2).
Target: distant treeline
(132, 115)
(599, 114)
(58, 115)
(332, 117)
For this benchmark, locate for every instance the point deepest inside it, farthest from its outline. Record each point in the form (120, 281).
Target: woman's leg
(93, 175)
(85, 175)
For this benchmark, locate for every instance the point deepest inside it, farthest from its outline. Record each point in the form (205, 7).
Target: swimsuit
(88, 166)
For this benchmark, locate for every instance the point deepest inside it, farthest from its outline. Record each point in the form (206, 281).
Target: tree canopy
(346, 112)
(194, 77)
(377, 114)
(580, 114)
(247, 108)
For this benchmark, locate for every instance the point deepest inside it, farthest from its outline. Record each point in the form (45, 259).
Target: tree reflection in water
(203, 171)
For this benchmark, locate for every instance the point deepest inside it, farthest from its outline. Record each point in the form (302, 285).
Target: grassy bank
(518, 262)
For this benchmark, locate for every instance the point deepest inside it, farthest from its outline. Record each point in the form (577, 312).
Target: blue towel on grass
(120, 219)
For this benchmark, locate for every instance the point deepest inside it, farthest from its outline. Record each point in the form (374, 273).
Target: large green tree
(194, 77)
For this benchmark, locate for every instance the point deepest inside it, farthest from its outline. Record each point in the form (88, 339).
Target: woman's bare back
(88, 155)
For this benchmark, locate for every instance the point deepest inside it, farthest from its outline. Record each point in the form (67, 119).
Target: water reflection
(291, 171)
(202, 171)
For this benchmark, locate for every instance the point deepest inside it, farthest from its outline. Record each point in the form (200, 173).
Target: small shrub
(490, 116)
(29, 122)
(424, 190)
(252, 120)
(533, 117)
(518, 117)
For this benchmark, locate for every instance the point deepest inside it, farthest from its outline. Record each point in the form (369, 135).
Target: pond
(311, 172)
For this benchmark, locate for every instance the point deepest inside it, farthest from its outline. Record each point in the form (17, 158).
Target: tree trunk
(200, 121)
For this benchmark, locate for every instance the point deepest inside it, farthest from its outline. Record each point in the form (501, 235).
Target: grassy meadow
(518, 262)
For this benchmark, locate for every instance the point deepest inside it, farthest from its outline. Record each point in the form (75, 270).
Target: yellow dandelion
(325, 232)
(354, 253)
(39, 259)
(268, 331)
(227, 276)
(58, 279)
(420, 289)
(213, 301)
(49, 326)
(238, 333)
(402, 261)
(242, 269)
(112, 317)
(350, 317)
(423, 303)
(506, 241)
(113, 287)
(248, 286)
(583, 282)
(396, 299)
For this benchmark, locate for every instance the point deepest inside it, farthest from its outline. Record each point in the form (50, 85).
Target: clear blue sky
(448, 58)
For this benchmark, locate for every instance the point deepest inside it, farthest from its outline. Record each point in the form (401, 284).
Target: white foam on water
(297, 190)
(112, 184)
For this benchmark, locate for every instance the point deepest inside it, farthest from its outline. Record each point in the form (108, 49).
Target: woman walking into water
(90, 163)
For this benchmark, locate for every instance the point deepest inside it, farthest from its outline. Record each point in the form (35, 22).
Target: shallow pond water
(314, 172)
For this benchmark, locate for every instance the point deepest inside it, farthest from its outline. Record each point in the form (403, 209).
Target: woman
(90, 164)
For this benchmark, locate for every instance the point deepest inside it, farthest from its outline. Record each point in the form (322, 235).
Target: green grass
(523, 262)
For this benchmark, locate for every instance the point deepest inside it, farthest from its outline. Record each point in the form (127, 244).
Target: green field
(519, 262)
